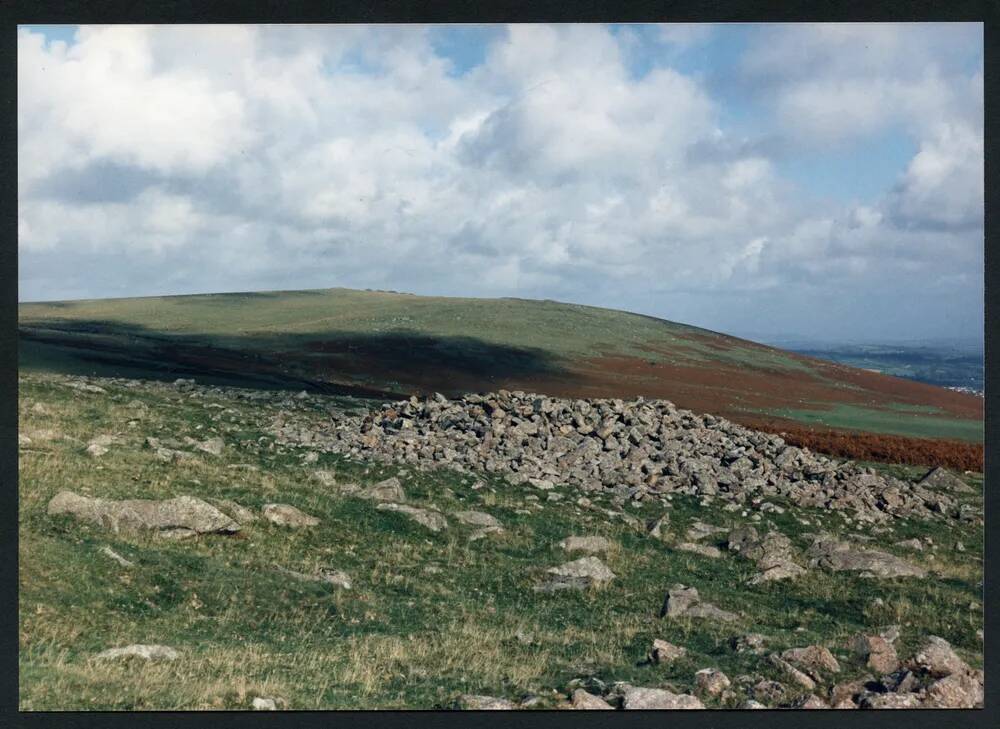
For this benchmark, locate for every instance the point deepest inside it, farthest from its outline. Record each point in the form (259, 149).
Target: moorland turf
(430, 615)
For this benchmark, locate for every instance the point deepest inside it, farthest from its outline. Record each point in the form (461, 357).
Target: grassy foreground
(430, 615)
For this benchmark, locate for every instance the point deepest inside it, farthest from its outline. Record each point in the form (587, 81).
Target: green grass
(916, 421)
(430, 615)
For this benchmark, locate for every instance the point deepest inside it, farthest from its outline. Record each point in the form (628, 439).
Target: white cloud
(221, 158)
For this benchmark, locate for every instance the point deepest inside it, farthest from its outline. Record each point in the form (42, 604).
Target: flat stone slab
(588, 545)
(139, 650)
(288, 515)
(433, 520)
(177, 517)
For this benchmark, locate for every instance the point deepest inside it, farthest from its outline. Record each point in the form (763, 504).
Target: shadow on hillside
(378, 364)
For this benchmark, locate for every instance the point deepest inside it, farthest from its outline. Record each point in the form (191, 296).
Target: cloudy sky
(764, 180)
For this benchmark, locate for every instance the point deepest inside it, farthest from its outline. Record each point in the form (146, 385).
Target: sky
(796, 180)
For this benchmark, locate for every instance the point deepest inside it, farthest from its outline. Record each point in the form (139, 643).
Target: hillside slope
(389, 344)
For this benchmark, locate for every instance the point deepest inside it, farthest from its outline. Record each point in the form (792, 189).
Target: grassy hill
(383, 343)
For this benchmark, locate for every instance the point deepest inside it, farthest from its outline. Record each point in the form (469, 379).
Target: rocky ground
(505, 550)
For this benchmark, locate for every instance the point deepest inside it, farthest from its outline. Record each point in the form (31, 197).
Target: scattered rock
(810, 701)
(712, 681)
(773, 553)
(589, 545)
(769, 692)
(138, 650)
(287, 515)
(942, 478)
(388, 491)
(212, 446)
(263, 704)
(748, 643)
(578, 574)
(473, 702)
(792, 672)
(664, 652)
(653, 698)
(484, 532)
(914, 544)
(684, 601)
(938, 659)
(956, 691)
(177, 517)
(703, 549)
(106, 550)
(877, 652)
(476, 518)
(240, 514)
(830, 553)
(815, 660)
(655, 528)
(889, 701)
(584, 700)
(96, 450)
(433, 520)
(337, 578)
(700, 530)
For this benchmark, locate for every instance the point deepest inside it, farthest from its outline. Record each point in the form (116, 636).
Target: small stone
(287, 515)
(588, 545)
(433, 520)
(476, 518)
(811, 701)
(712, 681)
(814, 659)
(653, 698)
(792, 672)
(956, 691)
(96, 450)
(703, 549)
(116, 557)
(938, 659)
(664, 652)
(585, 700)
(877, 652)
(389, 490)
(261, 704)
(475, 702)
(749, 643)
(139, 650)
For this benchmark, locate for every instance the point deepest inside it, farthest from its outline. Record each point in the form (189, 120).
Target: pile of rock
(638, 449)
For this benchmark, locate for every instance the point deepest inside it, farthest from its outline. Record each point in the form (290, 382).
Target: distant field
(382, 343)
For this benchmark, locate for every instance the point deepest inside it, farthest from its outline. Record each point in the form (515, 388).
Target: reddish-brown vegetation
(879, 447)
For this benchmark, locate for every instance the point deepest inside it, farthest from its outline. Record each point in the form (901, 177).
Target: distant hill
(381, 344)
